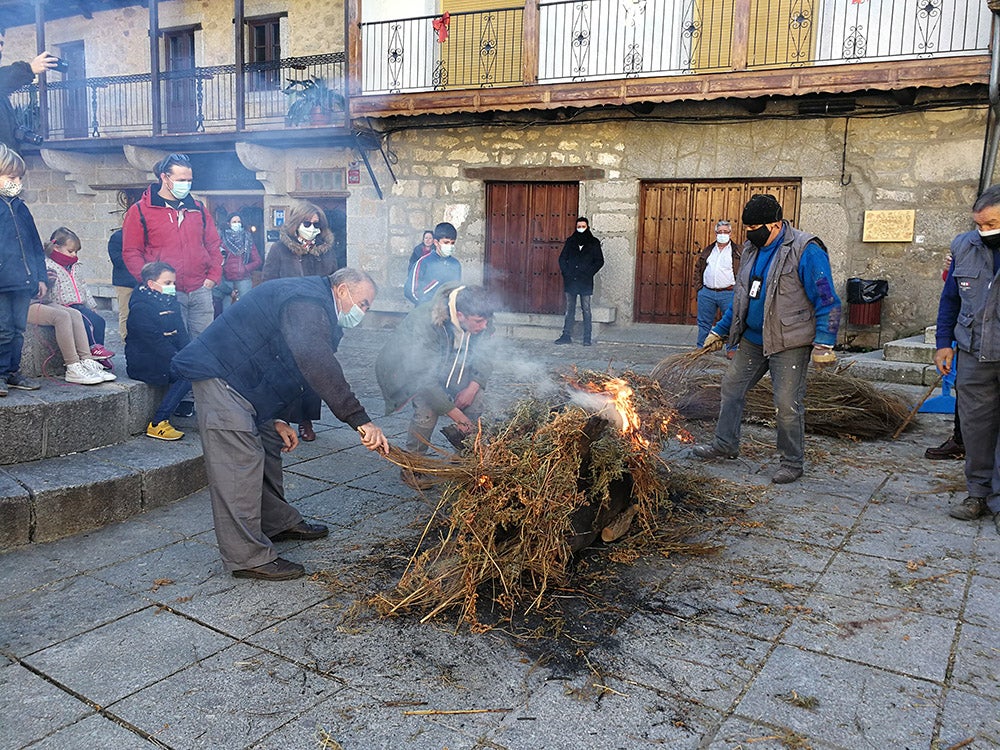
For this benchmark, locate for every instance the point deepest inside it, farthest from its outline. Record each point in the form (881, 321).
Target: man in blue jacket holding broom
(784, 313)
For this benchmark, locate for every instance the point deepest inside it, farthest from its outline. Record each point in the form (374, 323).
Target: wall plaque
(889, 226)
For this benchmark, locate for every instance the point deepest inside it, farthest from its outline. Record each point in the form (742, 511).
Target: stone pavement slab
(844, 703)
(148, 645)
(56, 611)
(32, 707)
(232, 698)
(96, 731)
(900, 640)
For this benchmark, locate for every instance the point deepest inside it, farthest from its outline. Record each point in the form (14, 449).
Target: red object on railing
(441, 27)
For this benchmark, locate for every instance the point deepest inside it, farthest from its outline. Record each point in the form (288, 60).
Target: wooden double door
(526, 226)
(676, 222)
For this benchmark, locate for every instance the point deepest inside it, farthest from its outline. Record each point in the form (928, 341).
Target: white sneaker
(95, 367)
(79, 373)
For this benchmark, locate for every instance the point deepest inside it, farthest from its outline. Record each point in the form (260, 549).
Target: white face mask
(446, 250)
(722, 239)
(11, 189)
(236, 226)
(581, 230)
(308, 233)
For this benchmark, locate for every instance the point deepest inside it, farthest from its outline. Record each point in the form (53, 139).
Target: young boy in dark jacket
(22, 271)
(156, 333)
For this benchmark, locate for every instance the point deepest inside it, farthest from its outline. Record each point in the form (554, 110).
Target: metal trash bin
(864, 300)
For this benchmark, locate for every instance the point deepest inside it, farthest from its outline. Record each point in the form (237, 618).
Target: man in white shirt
(715, 276)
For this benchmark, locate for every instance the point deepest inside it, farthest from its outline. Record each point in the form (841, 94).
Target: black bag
(866, 291)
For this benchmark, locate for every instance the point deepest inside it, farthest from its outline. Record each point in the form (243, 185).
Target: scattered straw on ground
(837, 403)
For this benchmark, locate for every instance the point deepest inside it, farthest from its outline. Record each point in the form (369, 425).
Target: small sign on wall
(354, 173)
(889, 226)
(279, 217)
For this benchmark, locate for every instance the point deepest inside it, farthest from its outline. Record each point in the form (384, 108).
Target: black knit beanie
(761, 209)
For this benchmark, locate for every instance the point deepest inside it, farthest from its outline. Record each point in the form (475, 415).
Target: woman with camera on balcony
(305, 248)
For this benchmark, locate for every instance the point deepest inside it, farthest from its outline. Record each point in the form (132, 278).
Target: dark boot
(950, 448)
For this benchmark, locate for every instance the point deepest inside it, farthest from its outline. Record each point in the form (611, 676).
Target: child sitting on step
(70, 288)
(71, 338)
(156, 332)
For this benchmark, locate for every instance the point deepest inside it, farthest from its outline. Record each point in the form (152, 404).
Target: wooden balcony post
(529, 45)
(241, 81)
(741, 34)
(43, 97)
(154, 66)
(352, 65)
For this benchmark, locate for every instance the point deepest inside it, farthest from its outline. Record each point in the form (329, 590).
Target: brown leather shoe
(970, 509)
(279, 569)
(948, 449)
(302, 530)
(306, 432)
(786, 475)
(710, 453)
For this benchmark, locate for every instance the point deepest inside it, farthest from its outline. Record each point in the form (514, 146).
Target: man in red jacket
(170, 226)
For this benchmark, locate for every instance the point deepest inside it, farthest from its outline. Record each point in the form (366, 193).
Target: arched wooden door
(527, 224)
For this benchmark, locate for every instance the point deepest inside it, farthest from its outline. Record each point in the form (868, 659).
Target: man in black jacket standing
(580, 260)
(13, 77)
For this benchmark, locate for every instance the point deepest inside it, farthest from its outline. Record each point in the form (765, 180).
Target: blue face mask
(352, 317)
(180, 190)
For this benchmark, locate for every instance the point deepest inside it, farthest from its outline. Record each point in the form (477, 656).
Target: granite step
(75, 458)
(915, 349)
(56, 497)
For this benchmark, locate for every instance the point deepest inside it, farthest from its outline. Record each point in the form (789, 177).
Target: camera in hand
(26, 135)
(61, 65)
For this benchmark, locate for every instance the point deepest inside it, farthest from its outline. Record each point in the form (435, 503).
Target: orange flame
(620, 394)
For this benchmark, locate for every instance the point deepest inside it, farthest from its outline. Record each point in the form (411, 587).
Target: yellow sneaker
(163, 431)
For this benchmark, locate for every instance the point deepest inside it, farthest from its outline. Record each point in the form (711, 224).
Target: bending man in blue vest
(969, 315)
(784, 313)
(247, 367)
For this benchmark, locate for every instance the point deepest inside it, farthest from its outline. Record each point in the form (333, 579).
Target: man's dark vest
(977, 330)
(246, 348)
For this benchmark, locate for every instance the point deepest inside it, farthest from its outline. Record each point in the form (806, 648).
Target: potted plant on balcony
(312, 102)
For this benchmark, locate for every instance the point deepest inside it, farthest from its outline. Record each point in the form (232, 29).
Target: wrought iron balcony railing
(581, 40)
(199, 100)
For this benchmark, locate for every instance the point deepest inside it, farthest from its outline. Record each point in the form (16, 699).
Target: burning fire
(613, 401)
(621, 400)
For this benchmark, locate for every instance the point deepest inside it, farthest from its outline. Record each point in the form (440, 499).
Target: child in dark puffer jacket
(22, 271)
(156, 332)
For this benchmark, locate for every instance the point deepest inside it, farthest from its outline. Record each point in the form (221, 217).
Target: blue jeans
(13, 319)
(93, 323)
(175, 394)
(197, 310)
(711, 303)
(570, 316)
(788, 379)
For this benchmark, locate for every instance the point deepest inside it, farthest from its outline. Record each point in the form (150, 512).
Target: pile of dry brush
(533, 489)
(837, 404)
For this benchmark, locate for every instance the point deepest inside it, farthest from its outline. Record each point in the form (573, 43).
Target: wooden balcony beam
(846, 78)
